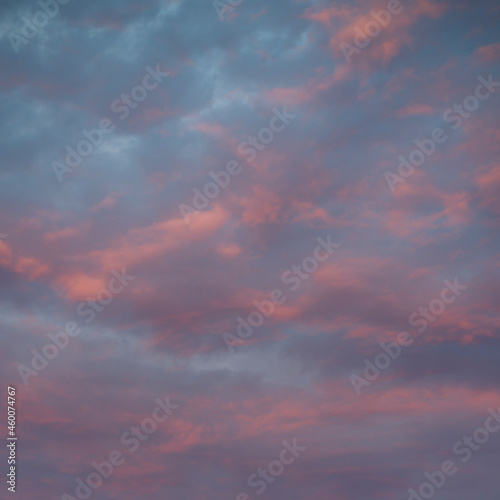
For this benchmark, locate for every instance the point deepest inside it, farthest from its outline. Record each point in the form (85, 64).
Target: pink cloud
(31, 267)
(414, 110)
(489, 53)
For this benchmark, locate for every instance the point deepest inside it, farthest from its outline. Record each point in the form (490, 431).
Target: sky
(249, 249)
